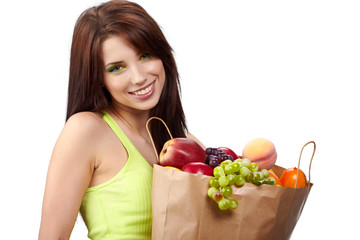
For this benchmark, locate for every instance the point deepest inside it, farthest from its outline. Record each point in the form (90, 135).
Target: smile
(142, 92)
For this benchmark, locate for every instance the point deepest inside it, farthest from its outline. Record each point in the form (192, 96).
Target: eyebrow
(114, 63)
(121, 62)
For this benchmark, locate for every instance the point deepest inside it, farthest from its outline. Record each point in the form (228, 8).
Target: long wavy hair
(86, 91)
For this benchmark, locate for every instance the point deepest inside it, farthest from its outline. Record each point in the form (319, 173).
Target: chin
(146, 106)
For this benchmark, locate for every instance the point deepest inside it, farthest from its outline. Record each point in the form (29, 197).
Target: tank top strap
(119, 132)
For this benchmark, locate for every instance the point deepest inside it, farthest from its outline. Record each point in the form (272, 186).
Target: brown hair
(131, 21)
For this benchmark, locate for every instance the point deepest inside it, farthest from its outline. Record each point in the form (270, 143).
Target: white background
(283, 70)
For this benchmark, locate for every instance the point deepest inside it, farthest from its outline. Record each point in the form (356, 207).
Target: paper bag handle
(152, 141)
(297, 176)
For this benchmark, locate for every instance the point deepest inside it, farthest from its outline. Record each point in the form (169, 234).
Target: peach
(260, 151)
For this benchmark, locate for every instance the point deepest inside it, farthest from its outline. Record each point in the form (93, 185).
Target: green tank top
(121, 207)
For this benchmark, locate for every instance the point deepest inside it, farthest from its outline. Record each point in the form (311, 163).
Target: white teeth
(144, 91)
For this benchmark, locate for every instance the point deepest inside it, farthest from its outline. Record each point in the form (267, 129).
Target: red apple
(198, 168)
(229, 152)
(179, 151)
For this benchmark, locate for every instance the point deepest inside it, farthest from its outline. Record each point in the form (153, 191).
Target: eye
(115, 69)
(145, 56)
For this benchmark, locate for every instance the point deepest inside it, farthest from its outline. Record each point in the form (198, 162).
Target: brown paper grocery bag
(183, 210)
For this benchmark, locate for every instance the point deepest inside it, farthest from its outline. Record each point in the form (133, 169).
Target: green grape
(229, 168)
(246, 162)
(217, 196)
(226, 191)
(214, 182)
(265, 172)
(270, 181)
(211, 191)
(231, 178)
(233, 204)
(223, 181)
(256, 177)
(236, 166)
(239, 180)
(224, 163)
(244, 171)
(261, 174)
(224, 204)
(239, 160)
(254, 167)
(236, 172)
(218, 172)
(250, 177)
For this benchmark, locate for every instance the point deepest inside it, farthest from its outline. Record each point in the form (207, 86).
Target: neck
(135, 121)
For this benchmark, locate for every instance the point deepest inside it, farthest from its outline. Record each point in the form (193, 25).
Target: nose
(138, 76)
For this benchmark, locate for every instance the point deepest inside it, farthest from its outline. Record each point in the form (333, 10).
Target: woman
(122, 72)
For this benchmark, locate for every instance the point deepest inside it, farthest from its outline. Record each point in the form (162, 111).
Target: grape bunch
(237, 172)
(215, 156)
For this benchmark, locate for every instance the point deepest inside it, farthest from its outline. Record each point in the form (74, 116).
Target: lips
(145, 91)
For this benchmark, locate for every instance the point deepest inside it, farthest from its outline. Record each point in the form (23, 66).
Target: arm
(69, 174)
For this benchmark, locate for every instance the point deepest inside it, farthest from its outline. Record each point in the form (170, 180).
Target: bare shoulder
(85, 121)
(192, 137)
(87, 124)
(83, 130)
(77, 147)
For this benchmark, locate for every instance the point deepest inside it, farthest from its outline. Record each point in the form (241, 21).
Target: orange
(288, 178)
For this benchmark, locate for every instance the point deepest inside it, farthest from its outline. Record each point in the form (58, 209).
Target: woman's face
(134, 79)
